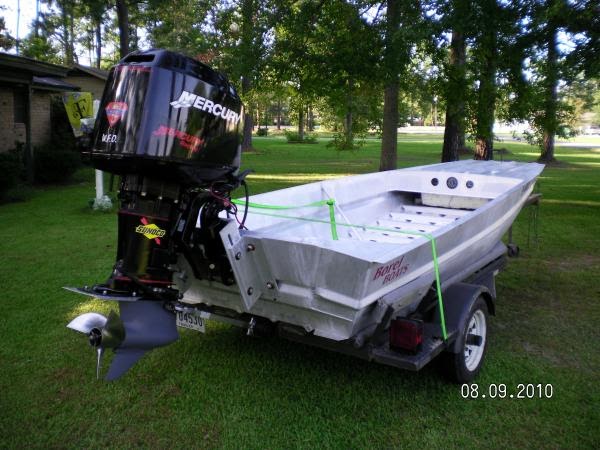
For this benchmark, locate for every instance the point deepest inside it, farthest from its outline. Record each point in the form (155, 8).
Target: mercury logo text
(188, 100)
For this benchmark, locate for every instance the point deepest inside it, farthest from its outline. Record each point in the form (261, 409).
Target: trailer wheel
(463, 367)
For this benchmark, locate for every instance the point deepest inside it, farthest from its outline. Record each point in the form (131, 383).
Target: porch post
(29, 157)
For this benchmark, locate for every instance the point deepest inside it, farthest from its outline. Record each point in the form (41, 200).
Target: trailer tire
(463, 367)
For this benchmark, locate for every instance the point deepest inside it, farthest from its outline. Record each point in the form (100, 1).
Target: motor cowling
(169, 117)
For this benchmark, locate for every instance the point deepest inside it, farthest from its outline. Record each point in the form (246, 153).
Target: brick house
(88, 79)
(26, 88)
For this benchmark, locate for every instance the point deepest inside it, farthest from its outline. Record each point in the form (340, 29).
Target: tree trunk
(247, 133)
(389, 141)
(311, 119)
(551, 94)
(248, 122)
(301, 123)
(98, 43)
(36, 27)
(349, 135)
(279, 114)
(486, 102)
(455, 99)
(123, 19)
(461, 135)
(67, 37)
(484, 148)
(451, 139)
(247, 67)
(72, 33)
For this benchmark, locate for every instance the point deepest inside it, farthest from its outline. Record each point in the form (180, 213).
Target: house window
(19, 106)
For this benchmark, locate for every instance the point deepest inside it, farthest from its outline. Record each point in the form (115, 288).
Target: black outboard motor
(169, 126)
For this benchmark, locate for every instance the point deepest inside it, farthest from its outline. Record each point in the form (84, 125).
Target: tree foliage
(359, 65)
(6, 40)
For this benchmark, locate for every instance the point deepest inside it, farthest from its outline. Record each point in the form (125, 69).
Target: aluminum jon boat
(335, 278)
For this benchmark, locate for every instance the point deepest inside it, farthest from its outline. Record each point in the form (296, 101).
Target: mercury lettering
(188, 100)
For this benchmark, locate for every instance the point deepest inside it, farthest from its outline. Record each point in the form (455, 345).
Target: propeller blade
(100, 352)
(86, 322)
(113, 333)
(148, 326)
(123, 360)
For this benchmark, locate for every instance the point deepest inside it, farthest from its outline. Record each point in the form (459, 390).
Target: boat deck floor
(407, 219)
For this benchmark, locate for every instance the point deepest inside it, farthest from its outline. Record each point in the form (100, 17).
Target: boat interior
(384, 210)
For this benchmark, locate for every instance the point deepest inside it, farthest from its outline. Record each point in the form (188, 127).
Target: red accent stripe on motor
(128, 213)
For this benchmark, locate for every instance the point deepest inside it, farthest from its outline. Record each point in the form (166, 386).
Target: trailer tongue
(394, 267)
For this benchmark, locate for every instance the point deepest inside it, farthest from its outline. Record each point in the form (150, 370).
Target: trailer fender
(458, 300)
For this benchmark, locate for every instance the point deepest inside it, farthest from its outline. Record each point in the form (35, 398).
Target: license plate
(190, 321)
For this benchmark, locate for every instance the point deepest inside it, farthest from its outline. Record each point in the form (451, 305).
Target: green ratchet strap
(329, 202)
(334, 225)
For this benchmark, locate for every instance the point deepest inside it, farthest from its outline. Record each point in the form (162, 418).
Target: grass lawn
(223, 389)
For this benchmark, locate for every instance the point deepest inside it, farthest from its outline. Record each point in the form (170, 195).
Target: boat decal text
(391, 271)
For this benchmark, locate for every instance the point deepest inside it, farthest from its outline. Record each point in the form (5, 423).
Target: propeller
(142, 326)
(103, 332)
(86, 322)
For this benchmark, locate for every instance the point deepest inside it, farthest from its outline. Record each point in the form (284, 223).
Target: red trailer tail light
(406, 334)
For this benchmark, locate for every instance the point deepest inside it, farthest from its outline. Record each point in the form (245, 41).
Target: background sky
(27, 16)
(10, 16)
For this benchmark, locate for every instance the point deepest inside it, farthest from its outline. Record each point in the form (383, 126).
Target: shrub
(19, 193)
(262, 132)
(340, 142)
(54, 164)
(293, 137)
(11, 169)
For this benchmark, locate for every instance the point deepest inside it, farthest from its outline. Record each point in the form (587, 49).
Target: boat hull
(289, 269)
